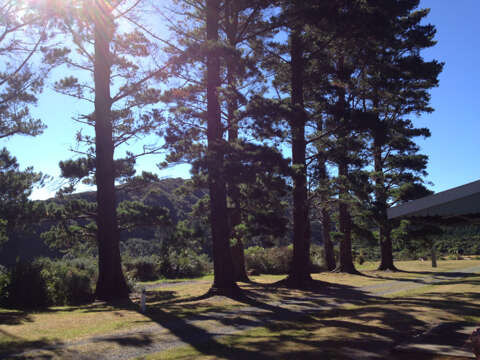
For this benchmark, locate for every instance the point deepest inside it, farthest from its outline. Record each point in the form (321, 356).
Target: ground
(376, 315)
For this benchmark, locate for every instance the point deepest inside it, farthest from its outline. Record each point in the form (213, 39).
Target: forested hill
(28, 244)
(161, 193)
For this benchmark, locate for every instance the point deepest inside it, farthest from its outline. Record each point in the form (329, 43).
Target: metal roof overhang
(457, 205)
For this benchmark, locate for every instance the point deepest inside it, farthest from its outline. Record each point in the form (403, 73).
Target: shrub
(145, 268)
(69, 282)
(185, 263)
(317, 258)
(274, 260)
(361, 257)
(405, 254)
(47, 282)
(4, 282)
(27, 287)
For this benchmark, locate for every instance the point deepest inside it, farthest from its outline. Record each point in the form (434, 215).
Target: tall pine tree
(118, 60)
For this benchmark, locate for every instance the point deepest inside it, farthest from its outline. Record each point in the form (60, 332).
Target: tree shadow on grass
(425, 277)
(15, 347)
(288, 334)
(278, 319)
(460, 304)
(368, 329)
(13, 317)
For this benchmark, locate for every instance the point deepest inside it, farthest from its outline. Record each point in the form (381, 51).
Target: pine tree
(299, 274)
(224, 281)
(239, 27)
(395, 85)
(119, 61)
(16, 210)
(23, 33)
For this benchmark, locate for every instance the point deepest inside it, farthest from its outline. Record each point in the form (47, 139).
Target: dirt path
(170, 334)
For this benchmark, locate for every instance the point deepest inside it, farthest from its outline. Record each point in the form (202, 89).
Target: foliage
(277, 260)
(23, 34)
(317, 258)
(27, 287)
(144, 268)
(16, 210)
(274, 260)
(176, 264)
(4, 283)
(46, 282)
(69, 282)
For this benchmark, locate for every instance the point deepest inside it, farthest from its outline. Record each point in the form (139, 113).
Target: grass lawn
(348, 322)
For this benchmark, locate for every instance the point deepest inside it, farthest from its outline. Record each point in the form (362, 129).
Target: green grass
(169, 281)
(358, 321)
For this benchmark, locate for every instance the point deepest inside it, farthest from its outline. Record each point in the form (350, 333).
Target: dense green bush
(275, 260)
(4, 282)
(69, 282)
(144, 268)
(183, 263)
(27, 287)
(186, 263)
(46, 282)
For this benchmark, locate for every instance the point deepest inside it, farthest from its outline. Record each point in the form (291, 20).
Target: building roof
(458, 204)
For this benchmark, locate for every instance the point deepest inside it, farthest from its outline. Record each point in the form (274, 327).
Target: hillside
(28, 245)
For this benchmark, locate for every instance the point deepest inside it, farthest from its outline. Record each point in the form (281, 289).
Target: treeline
(271, 102)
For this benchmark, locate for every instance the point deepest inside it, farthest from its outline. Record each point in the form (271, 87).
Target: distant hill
(28, 245)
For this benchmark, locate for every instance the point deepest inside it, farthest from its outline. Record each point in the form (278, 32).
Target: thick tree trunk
(329, 254)
(237, 249)
(111, 283)
(224, 282)
(345, 256)
(238, 257)
(386, 262)
(299, 275)
(385, 239)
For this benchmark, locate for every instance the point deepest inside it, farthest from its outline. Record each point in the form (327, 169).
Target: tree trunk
(111, 283)
(434, 256)
(299, 275)
(329, 254)
(237, 249)
(386, 262)
(238, 255)
(385, 239)
(224, 282)
(346, 258)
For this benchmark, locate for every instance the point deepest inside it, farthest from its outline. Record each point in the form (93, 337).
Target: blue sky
(453, 148)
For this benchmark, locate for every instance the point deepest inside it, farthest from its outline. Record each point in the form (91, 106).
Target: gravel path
(200, 328)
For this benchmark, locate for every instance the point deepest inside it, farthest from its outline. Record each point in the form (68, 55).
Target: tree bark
(386, 262)
(224, 282)
(384, 233)
(345, 257)
(237, 249)
(111, 283)
(299, 275)
(329, 254)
